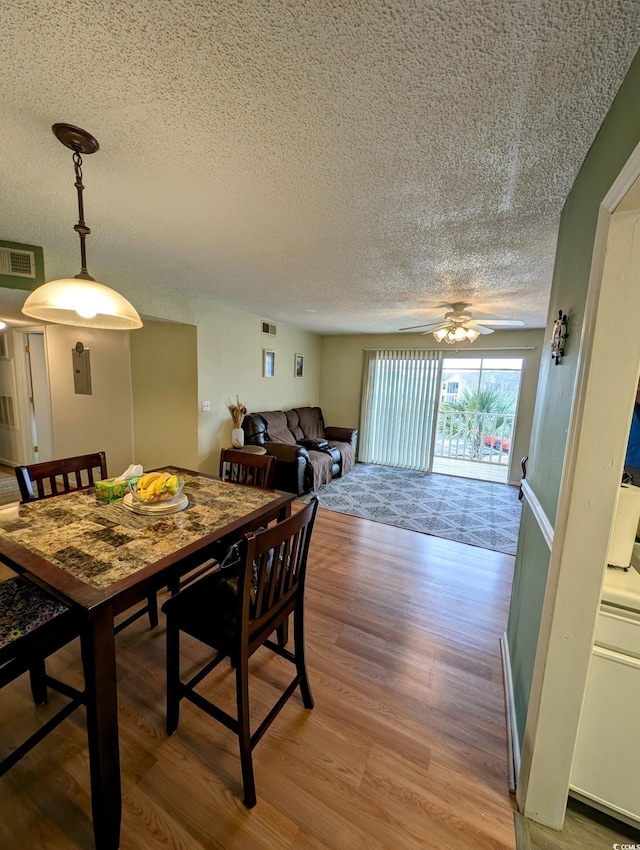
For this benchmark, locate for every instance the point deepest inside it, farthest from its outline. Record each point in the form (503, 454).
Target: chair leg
(173, 676)
(244, 732)
(283, 633)
(38, 677)
(152, 606)
(301, 663)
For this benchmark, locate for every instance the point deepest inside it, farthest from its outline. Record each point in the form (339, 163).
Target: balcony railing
(480, 437)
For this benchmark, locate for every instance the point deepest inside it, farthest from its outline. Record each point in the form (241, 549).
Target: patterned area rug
(9, 491)
(476, 512)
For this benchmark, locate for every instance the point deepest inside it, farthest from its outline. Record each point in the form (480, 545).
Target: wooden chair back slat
(52, 477)
(274, 572)
(247, 468)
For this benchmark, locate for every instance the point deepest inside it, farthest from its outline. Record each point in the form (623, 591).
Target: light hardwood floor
(405, 748)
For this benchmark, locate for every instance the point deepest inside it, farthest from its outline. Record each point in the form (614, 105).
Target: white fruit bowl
(164, 495)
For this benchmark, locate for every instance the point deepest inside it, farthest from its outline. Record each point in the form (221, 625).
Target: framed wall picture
(298, 365)
(268, 363)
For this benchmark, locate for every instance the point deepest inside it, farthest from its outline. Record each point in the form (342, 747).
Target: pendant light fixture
(80, 300)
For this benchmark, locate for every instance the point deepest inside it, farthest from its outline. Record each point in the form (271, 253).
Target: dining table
(103, 559)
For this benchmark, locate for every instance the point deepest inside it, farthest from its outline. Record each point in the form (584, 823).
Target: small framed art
(298, 365)
(268, 363)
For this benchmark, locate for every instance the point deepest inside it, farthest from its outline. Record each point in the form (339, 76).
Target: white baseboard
(513, 740)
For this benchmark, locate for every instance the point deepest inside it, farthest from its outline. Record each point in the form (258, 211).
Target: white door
(35, 400)
(40, 401)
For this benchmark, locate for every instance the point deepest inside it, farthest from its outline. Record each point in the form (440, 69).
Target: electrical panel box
(81, 369)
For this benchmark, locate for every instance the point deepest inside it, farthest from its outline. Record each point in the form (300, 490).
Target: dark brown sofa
(308, 453)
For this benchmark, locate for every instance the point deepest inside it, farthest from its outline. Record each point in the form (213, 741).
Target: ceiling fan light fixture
(456, 334)
(441, 334)
(80, 301)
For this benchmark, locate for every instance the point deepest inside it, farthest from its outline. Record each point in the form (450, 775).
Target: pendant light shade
(80, 300)
(84, 303)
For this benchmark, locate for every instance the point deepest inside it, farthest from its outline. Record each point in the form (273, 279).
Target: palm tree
(486, 412)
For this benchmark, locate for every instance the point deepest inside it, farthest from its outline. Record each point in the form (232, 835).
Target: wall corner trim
(538, 512)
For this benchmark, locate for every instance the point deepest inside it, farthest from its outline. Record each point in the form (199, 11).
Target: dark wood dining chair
(52, 477)
(235, 611)
(239, 468)
(64, 475)
(34, 625)
(246, 468)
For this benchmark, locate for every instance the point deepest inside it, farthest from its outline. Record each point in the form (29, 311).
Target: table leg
(283, 630)
(285, 512)
(99, 664)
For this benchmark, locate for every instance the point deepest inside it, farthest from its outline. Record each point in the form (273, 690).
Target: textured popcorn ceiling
(368, 161)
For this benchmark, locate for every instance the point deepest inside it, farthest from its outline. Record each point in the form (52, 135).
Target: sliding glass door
(454, 415)
(476, 421)
(399, 404)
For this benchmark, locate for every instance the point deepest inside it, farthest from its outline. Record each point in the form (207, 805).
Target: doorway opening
(34, 396)
(477, 411)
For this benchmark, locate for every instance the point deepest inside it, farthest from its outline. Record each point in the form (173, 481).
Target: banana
(158, 484)
(147, 478)
(154, 485)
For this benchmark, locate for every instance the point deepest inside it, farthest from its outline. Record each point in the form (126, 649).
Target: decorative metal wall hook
(560, 333)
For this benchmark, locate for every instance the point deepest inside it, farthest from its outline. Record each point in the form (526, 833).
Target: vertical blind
(399, 407)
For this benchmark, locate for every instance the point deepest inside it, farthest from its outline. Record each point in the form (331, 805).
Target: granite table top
(102, 543)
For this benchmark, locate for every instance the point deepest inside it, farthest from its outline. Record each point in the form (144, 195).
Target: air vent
(269, 329)
(17, 263)
(6, 411)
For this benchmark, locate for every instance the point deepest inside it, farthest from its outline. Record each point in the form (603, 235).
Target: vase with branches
(238, 411)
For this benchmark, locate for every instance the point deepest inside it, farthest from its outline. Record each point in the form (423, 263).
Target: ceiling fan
(459, 325)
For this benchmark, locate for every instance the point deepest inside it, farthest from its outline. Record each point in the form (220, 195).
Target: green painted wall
(617, 138)
(529, 582)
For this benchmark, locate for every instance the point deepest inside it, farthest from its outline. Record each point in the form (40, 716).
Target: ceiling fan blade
(481, 329)
(434, 326)
(500, 323)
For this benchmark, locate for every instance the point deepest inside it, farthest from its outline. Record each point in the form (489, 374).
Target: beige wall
(228, 361)
(229, 357)
(230, 345)
(343, 361)
(229, 350)
(102, 421)
(164, 375)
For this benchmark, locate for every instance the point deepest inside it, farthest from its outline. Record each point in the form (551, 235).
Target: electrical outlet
(206, 406)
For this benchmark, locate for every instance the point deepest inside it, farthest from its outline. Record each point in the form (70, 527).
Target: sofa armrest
(342, 435)
(285, 452)
(316, 445)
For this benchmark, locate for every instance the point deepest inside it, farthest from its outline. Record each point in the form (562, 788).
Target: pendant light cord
(81, 228)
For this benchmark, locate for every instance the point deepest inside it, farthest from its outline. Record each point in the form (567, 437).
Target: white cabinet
(606, 770)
